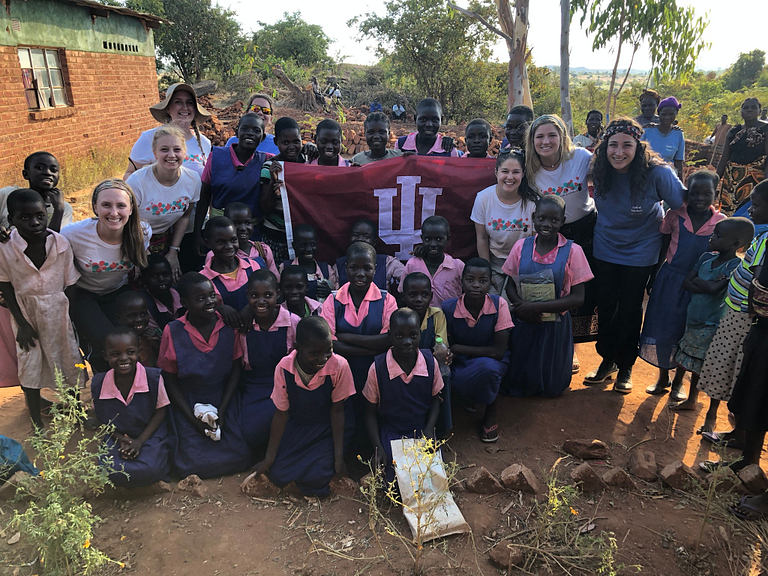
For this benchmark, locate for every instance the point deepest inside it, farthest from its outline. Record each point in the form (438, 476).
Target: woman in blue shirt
(666, 139)
(630, 182)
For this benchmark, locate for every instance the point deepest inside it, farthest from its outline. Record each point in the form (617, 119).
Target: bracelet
(175, 248)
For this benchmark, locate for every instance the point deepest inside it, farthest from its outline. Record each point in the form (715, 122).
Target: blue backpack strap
(323, 269)
(559, 266)
(341, 269)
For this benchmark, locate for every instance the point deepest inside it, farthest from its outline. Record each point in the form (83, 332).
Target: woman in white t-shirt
(555, 166)
(166, 193)
(106, 248)
(503, 214)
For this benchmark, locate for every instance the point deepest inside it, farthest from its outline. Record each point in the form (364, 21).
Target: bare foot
(708, 426)
(689, 404)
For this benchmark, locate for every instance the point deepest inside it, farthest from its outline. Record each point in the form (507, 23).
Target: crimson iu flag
(398, 193)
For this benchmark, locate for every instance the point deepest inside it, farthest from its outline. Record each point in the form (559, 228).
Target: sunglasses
(264, 109)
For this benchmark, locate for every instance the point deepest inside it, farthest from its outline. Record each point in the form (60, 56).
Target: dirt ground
(227, 533)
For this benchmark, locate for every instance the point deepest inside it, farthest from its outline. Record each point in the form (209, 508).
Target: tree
(745, 71)
(199, 38)
(674, 35)
(424, 40)
(515, 33)
(565, 65)
(293, 39)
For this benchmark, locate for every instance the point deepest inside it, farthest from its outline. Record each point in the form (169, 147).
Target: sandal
(720, 439)
(489, 435)
(655, 389)
(745, 511)
(712, 466)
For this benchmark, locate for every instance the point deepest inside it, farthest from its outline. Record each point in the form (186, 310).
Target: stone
(193, 484)
(726, 481)
(679, 476)
(590, 482)
(619, 478)
(505, 556)
(587, 449)
(163, 487)
(754, 479)
(8, 489)
(643, 465)
(258, 485)
(520, 479)
(483, 482)
(345, 486)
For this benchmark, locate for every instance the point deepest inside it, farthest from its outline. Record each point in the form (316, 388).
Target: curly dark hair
(602, 170)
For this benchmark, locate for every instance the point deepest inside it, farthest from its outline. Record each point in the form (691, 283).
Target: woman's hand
(173, 260)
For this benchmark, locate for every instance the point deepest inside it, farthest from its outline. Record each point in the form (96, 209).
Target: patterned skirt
(737, 183)
(693, 346)
(724, 356)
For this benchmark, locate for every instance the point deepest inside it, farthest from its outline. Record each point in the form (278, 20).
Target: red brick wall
(109, 95)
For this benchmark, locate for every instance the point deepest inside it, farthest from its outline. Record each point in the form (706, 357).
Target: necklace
(553, 165)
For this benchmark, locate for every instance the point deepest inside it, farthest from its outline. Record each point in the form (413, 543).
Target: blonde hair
(170, 130)
(532, 160)
(133, 233)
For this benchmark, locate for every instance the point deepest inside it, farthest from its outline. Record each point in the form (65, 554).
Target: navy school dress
(237, 298)
(379, 278)
(542, 354)
(202, 379)
(475, 379)
(264, 350)
(371, 326)
(403, 408)
(305, 455)
(665, 315)
(162, 318)
(312, 284)
(236, 184)
(154, 461)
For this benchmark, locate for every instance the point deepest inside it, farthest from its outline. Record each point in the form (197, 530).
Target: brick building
(75, 75)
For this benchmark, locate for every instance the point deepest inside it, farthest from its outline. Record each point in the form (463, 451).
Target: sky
(543, 36)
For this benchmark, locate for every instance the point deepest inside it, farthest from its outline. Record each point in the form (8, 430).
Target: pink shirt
(437, 147)
(254, 253)
(166, 359)
(176, 303)
(342, 162)
(446, 283)
(371, 390)
(577, 270)
(230, 283)
(313, 304)
(671, 225)
(140, 385)
(336, 367)
(356, 317)
(205, 177)
(394, 269)
(333, 276)
(503, 321)
(284, 320)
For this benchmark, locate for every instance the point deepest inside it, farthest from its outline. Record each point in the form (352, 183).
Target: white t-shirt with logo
(505, 223)
(103, 267)
(161, 206)
(141, 153)
(569, 181)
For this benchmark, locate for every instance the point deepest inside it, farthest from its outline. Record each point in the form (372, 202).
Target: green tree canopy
(201, 37)
(293, 39)
(745, 71)
(441, 51)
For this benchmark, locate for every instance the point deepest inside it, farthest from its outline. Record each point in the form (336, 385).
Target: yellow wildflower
(122, 564)
(87, 544)
(81, 366)
(122, 538)
(573, 511)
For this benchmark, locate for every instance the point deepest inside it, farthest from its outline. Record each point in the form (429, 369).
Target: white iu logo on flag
(408, 235)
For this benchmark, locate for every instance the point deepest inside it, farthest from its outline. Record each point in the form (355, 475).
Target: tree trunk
(302, 99)
(516, 29)
(565, 65)
(615, 69)
(623, 82)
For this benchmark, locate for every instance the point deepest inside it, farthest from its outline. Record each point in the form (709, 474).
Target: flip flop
(718, 439)
(489, 435)
(712, 466)
(744, 511)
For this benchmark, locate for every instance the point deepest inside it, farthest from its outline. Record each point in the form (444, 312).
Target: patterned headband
(634, 131)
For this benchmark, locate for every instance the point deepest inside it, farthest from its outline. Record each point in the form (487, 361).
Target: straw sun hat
(159, 112)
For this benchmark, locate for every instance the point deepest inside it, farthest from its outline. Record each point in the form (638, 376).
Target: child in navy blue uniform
(293, 287)
(242, 218)
(478, 331)
(542, 351)
(200, 358)
(427, 140)
(227, 271)
(270, 338)
(321, 278)
(306, 442)
(162, 298)
(690, 229)
(132, 311)
(389, 270)
(132, 398)
(402, 389)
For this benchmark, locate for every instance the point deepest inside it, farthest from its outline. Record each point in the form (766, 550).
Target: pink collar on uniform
(197, 338)
(462, 312)
(109, 389)
(448, 263)
(331, 367)
(313, 304)
(175, 302)
(708, 227)
(229, 283)
(236, 161)
(318, 271)
(395, 371)
(284, 319)
(551, 256)
(410, 144)
(61, 243)
(342, 162)
(352, 316)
